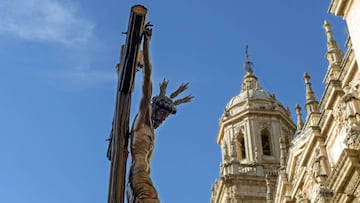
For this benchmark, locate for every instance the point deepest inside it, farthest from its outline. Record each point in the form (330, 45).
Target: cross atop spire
(250, 81)
(247, 52)
(248, 64)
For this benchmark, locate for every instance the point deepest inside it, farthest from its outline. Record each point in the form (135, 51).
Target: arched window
(265, 142)
(240, 147)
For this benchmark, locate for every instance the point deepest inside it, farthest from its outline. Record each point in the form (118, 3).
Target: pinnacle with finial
(310, 95)
(328, 31)
(334, 54)
(311, 103)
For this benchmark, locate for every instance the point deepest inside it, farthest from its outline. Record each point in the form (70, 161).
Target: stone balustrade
(236, 168)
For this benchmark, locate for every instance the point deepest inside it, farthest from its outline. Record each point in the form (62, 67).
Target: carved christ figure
(152, 112)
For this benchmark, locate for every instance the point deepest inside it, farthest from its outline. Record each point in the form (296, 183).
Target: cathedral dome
(251, 95)
(253, 99)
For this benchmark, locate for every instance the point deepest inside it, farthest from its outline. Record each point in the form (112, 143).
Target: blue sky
(57, 84)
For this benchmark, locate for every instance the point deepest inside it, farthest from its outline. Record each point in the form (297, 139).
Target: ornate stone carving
(320, 167)
(324, 195)
(301, 198)
(269, 195)
(352, 139)
(351, 104)
(282, 152)
(334, 73)
(256, 151)
(338, 116)
(264, 125)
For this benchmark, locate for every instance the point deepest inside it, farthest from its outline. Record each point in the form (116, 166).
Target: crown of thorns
(168, 103)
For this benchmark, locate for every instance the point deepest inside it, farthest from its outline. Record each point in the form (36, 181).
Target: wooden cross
(126, 69)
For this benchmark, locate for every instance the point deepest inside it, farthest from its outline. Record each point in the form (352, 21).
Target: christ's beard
(156, 123)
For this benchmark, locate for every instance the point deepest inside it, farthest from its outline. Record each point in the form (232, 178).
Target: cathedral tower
(254, 134)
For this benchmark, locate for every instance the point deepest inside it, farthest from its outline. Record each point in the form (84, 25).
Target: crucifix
(126, 69)
(152, 112)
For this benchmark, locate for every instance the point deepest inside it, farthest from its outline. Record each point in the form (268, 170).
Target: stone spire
(334, 54)
(250, 81)
(311, 104)
(300, 123)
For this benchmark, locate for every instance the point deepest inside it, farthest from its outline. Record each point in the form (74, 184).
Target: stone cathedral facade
(266, 158)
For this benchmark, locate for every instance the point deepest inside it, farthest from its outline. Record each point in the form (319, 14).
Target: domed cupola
(251, 96)
(254, 135)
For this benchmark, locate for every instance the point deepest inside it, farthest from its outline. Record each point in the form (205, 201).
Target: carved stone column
(269, 195)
